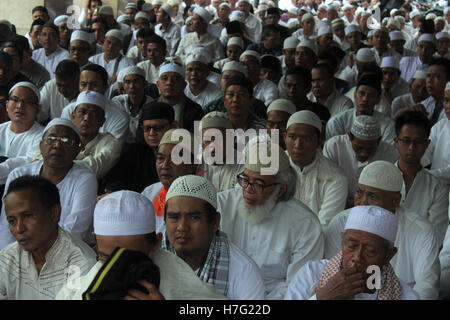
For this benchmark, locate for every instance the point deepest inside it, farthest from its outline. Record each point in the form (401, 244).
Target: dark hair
(426, 26)
(371, 68)
(443, 62)
(325, 66)
(407, 7)
(240, 81)
(271, 62)
(145, 33)
(211, 213)
(370, 80)
(39, 8)
(47, 192)
(331, 59)
(151, 238)
(337, 52)
(99, 70)
(52, 26)
(158, 40)
(101, 21)
(273, 10)
(21, 42)
(233, 27)
(6, 57)
(268, 29)
(13, 44)
(67, 69)
(415, 118)
(157, 110)
(37, 22)
(303, 73)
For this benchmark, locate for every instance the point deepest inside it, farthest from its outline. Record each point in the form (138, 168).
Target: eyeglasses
(407, 142)
(244, 182)
(17, 100)
(65, 142)
(155, 128)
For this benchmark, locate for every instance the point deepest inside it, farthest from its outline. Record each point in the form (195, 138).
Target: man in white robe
(425, 49)
(156, 54)
(381, 47)
(417, 93)
(252, 24)
(167, 29)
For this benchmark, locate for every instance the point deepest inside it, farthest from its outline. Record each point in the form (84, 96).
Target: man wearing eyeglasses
(77, 185)
(261, 217)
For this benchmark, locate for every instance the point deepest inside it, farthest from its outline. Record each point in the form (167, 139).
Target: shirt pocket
(275, 265)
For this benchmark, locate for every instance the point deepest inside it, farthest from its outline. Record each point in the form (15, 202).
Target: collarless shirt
(51, 61)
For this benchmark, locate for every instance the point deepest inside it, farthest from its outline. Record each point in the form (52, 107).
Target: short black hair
(157, 110)
(233, 27)
(240, 81)
(101, 21)
(330, 57)
(426, 26)
(271, 62)
(21, 42)
(39, 8)
(37, 22)
(47, 192)
(99, 70)
(443, 62)
(273, 10)
(67, 69)
(268, 29)
(407, 7)
(371, 68)
(415, 118)
(52, 26)
(145, 33)
(328, 69)
(303, 73)
(13, 44)
(158, 40)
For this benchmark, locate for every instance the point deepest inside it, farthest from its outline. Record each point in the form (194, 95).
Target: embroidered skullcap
(291, 43)
(234, 66)
(62, 122)
(393, 22)
(390, 62)
(124, 213)
(133, 70)
(382, 175)
(310, 44)
(157, 2)
(235, 41)
(203, 13)
(352, 28)
(142, 15)
(179, 137)
(284, 105)
(7, 23)
(59, 20)
(365, 55)
(250, 53)
(106, 10)
(396, 35)
(427, 37)
(168, 9)
(447, 86)
(215, 119)
(324, 28)
(29, 85)
(374, 220)
(148, 6)
(441, 35)
(195, 187)
(237, 15)
(171, 67)
(307, 16)
(82, 36)
(420, 74)
(115, 33)
(336, 22)
(123, 17)
(305, 117)
(414, 13)
(366, 128)
(91, 97)
(131, 5)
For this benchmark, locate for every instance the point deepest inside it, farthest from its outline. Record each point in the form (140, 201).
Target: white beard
(256, 215)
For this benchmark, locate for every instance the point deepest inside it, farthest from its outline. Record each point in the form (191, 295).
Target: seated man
(261, 217)
(271, 41)
(356, 149)
(126, 219)
(156, 55)
(320, 184)
(381, 47)
(417, 93)
(192, 232)
(416, 262)
(346, 275)
(39, 263)
(392, 84)
(138, 52)
(425, 49)
(355, 66)
(81, 47)
(77, 185)
(233, 50)
(167, 29)
(278, 114)
(99, 151)
(288, 58)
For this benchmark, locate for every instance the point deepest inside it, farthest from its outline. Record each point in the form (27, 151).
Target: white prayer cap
(171, 67)
(91, 97)
(323, 6)
(123, 17)
(179, 137)
(305, 117)
(352, 28)
(62, 122)
(284, 105)
(173, 2)
(147, 7)
(305, 8)
(7, 23)
(324, 28)
(115, 33)
(420, 74)
(237, 15)
(260, 161)
(374, 220)
(106, 10)
(59, 20)
(293, 10)
(196, 58)
(291, 43)
(203, 13)
(427, 37)
(396, 35)
(195, 187)
(393, 11)
(82, 36)
(347, 6)
(393, 22)
(130, 5)
(235, 41)
(366, 128)
(133, 70)
(250, 53)
(224, 4)
(400, 20)
(336, 22)
(370, 33)
(333, 7)
(157, 2)
(390, 62)
(382, 175)
(215, 119)
(263, 7)
(124, 213)
(142, 15)
(248, 1)
(414, 13)
(441, 35)
(365, 55)
(430, 16)
(385, 21)
(381, 29)
(309, 44)
(168, 9)
(235, 66)
(29, 85)
(307, 16)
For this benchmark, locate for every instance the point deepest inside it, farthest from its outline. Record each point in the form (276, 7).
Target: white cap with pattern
(382, 175)
(366, 128)
(284, 105)
(195, 187)
(215, 119)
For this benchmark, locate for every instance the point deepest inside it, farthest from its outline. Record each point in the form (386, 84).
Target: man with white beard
(263, 219)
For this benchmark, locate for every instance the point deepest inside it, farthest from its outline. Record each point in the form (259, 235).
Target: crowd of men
(314, 142)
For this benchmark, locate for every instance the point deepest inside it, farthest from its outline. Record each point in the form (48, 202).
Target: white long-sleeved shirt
(336, 102)
(51, 61)
(172, 35)
(254, 28)
(151, 71)
(388, 53)
(409, 65)
(52, 102)
(280, 244)
(444, 258)
(429, 105)
(210, 93)
(109, 66)
(224, 176)
(416, 261)
(191, 40)
(401, 102)
(266, 91)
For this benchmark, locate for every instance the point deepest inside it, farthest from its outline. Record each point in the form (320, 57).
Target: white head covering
(291, 43)
(235, 41)
(441, 35)
(382, 175)
(309, 44)
(157, 2)
(305, 117)
(168, 9)
(124, 213)
(196, 58)
(235, 66)
(366, 128)
(195, 187)
(91, 97)
(430, 16)
(133, 70)
(390, 62)
(237, 15)
(59, 20)
(130, 5)
(30, 86)
(284, 105)
(293, 10)
(393, 11)
(427, 37)
(115, 33)
(202, 12)
(250, 53)
(106, 10)
(365, 55)
(307, 16)
(215, 119)
(147, 7)
(352, 28)
(373, 219)
(447, 86)
(142, 15)
(414, 13)
(370, 33)
(123, 17)
(225, 4)
(172, 136)
(262, 7)
(83, 36)
(277, 157)
(394, 23)
(396, 35)
(324, 28)
(62, 122)
(420, 74)
(171, 67)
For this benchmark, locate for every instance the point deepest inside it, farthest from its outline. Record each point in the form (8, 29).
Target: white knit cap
(91, 97)
(396, 35)
(373, 219)
(420, 74)
(195, 187)
(414, 13)
(133, 70)
(29, 85)
(366, 128)
(106, 10)
(115, 33)
(59, 20)
(365, 55)
(441, 35)
(305, 117)
(196, 58)
(265, 157)
(352, 28)
(250, 53)
(394, 23)
(142, 15)
(123, 17)
(215, 119)
(62, 122)
(284, 105)
(234, 66)
(203, 13)
(171, 67)
(82, 36)
(309, 44)
(168, 9)
(130, 5)
(307, 16)
(291, 43)
(235, 41)
(147, 7)
(447, 86)
(324, 28)
(237, 15)
(390, 62)
(427, 37)
(124, 213)
(382, 175)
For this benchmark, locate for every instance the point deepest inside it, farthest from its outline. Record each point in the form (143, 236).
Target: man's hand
(153, 294)
(345, 284)
(350, 59)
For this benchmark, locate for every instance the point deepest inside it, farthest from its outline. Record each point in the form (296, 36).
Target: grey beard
(256, 215)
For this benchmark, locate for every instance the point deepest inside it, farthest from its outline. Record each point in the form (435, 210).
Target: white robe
(437, 151)
(172, 36)
(336, 102)
(444, 258)
(266, 91)
(402, 102)
(430, 104)
(52, 102)
(210, 42)
(224, 176)
(151, 71)
(210, 93)
(409, 65)
(109, 66)
(51, 61)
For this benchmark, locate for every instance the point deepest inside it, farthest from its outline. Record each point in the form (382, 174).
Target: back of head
(415, 118)
(67, 69)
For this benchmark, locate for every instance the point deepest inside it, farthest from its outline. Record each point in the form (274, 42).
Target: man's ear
(283, 189)
(55, 213)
